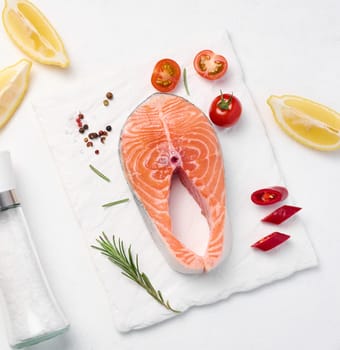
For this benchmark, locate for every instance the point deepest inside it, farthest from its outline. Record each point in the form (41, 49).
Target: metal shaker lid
(7, 182)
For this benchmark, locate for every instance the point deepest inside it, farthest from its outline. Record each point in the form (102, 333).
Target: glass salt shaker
(31, 310)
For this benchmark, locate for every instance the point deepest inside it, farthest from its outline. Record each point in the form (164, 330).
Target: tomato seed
(106, 103)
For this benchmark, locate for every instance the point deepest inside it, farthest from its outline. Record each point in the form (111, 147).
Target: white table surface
(284, 47)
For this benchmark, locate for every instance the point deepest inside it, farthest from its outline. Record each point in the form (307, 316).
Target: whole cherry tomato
(166, 74)
(225, 110)
(210, 65)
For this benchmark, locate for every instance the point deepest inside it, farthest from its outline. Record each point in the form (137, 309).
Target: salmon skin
(165, 135)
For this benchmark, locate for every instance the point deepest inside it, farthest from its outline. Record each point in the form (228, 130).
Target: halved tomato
(165, 75)
(210, 65)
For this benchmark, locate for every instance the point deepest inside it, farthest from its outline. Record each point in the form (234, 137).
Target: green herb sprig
(185, 81)
(116, 253)
(111, 204)
(100, 174)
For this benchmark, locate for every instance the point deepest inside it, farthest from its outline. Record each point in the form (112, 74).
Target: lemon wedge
(30, 30)
(310, 123)
(13, 86)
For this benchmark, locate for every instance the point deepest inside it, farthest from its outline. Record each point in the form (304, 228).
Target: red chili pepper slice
(281, 214)
(270, 195)
(271, 241)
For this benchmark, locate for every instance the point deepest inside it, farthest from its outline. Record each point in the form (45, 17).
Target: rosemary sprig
(100, 174)
(116, 253)
(185, 80)
(111, 204)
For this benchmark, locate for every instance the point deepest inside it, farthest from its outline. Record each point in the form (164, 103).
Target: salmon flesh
(167, 135)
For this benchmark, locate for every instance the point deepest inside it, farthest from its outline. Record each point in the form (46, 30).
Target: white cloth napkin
(249, 162)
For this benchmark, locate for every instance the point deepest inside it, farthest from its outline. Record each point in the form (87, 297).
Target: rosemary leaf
(160, 295)
(100, 174)
(185, 80)
(115, 251)
(147, 282)
(111, 204)
(133, 266)
(137, 263)
(128, 276)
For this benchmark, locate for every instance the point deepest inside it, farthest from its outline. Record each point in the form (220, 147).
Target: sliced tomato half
(165, 75)
(210, 65)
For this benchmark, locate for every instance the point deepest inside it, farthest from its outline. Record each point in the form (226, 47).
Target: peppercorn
(93, 135)
(96, 151)
(81, 130)
(81, 116)
(101, 133)
(106, 103)
(108, 128)
(109, 95)
(102, 139)
(85, 126)
(89, 144)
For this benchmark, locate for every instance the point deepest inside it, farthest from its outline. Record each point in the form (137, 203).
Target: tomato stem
(225, 104)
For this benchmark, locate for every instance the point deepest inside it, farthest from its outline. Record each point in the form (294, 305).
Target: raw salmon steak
(167, 135)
